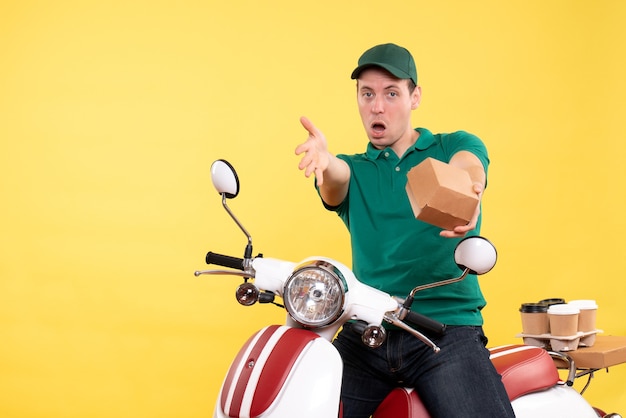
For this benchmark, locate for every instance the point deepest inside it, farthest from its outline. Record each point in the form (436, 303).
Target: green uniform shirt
(393, 251)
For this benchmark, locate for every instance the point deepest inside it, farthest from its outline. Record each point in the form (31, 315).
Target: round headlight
(314, 294)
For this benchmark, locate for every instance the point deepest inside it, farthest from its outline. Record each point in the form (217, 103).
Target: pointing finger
(308, 125)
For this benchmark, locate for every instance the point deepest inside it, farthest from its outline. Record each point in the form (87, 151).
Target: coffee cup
(587, 317)
(534, 318)
(563, 319)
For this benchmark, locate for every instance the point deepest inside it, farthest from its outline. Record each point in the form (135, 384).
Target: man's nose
(378, 105)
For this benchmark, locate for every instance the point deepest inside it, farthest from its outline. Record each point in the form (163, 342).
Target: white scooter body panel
(282, 372)
(560, 401)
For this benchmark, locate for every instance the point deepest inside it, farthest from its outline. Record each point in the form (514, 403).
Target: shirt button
(397, 168)
(386, 154)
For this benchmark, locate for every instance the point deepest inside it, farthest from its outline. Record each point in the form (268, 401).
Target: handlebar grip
(425, 323)
(224, 260)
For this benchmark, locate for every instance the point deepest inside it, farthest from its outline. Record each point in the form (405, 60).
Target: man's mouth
(378, 128)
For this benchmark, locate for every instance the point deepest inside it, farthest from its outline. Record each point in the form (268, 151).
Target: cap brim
(396, 72)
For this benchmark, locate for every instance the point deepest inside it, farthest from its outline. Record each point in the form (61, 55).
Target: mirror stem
(238, 224)
(437, 284)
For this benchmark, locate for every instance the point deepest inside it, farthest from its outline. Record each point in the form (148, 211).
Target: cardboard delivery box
(441, 194)
(608, 350)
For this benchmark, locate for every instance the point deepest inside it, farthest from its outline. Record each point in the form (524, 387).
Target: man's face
(385, 106)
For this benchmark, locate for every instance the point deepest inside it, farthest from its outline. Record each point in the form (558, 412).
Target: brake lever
(245, 274)
(392, 319)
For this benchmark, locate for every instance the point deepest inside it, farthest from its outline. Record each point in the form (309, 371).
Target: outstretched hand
(315, 149)
(461, 231)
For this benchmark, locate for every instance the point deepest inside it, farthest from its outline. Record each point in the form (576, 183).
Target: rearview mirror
(476, 254)
(224, 178)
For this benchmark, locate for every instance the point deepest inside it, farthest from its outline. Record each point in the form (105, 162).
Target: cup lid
(584, 303)
(563, 309)
(533, 308)
(552, 301)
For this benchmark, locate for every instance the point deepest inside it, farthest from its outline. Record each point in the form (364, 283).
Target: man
(394, 252)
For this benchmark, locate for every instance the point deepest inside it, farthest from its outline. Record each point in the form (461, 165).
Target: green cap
(393, 58)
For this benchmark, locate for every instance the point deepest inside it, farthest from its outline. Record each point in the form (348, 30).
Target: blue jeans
(459, 381)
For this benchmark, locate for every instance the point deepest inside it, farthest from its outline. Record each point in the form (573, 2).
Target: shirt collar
(425, 140)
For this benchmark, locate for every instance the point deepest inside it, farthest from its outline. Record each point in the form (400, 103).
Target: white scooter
(294, 370)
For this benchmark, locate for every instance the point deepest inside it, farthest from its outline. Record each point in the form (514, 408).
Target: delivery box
(441, 194)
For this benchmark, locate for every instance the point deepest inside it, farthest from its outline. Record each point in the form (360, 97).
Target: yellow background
(112, 111)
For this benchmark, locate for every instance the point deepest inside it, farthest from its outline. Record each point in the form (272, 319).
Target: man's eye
(393, 93)
(368, 94)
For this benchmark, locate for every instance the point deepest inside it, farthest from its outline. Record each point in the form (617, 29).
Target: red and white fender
(282, 372)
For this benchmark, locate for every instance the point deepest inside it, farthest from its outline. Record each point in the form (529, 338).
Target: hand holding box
(441, 194)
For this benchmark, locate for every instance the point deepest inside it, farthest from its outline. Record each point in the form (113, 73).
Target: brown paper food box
(608, 350)
(441, 194)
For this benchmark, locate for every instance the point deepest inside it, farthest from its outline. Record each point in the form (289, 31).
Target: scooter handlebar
(420, 321)
(224, 260)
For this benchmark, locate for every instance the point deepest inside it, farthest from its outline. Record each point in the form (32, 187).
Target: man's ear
(416, 97)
